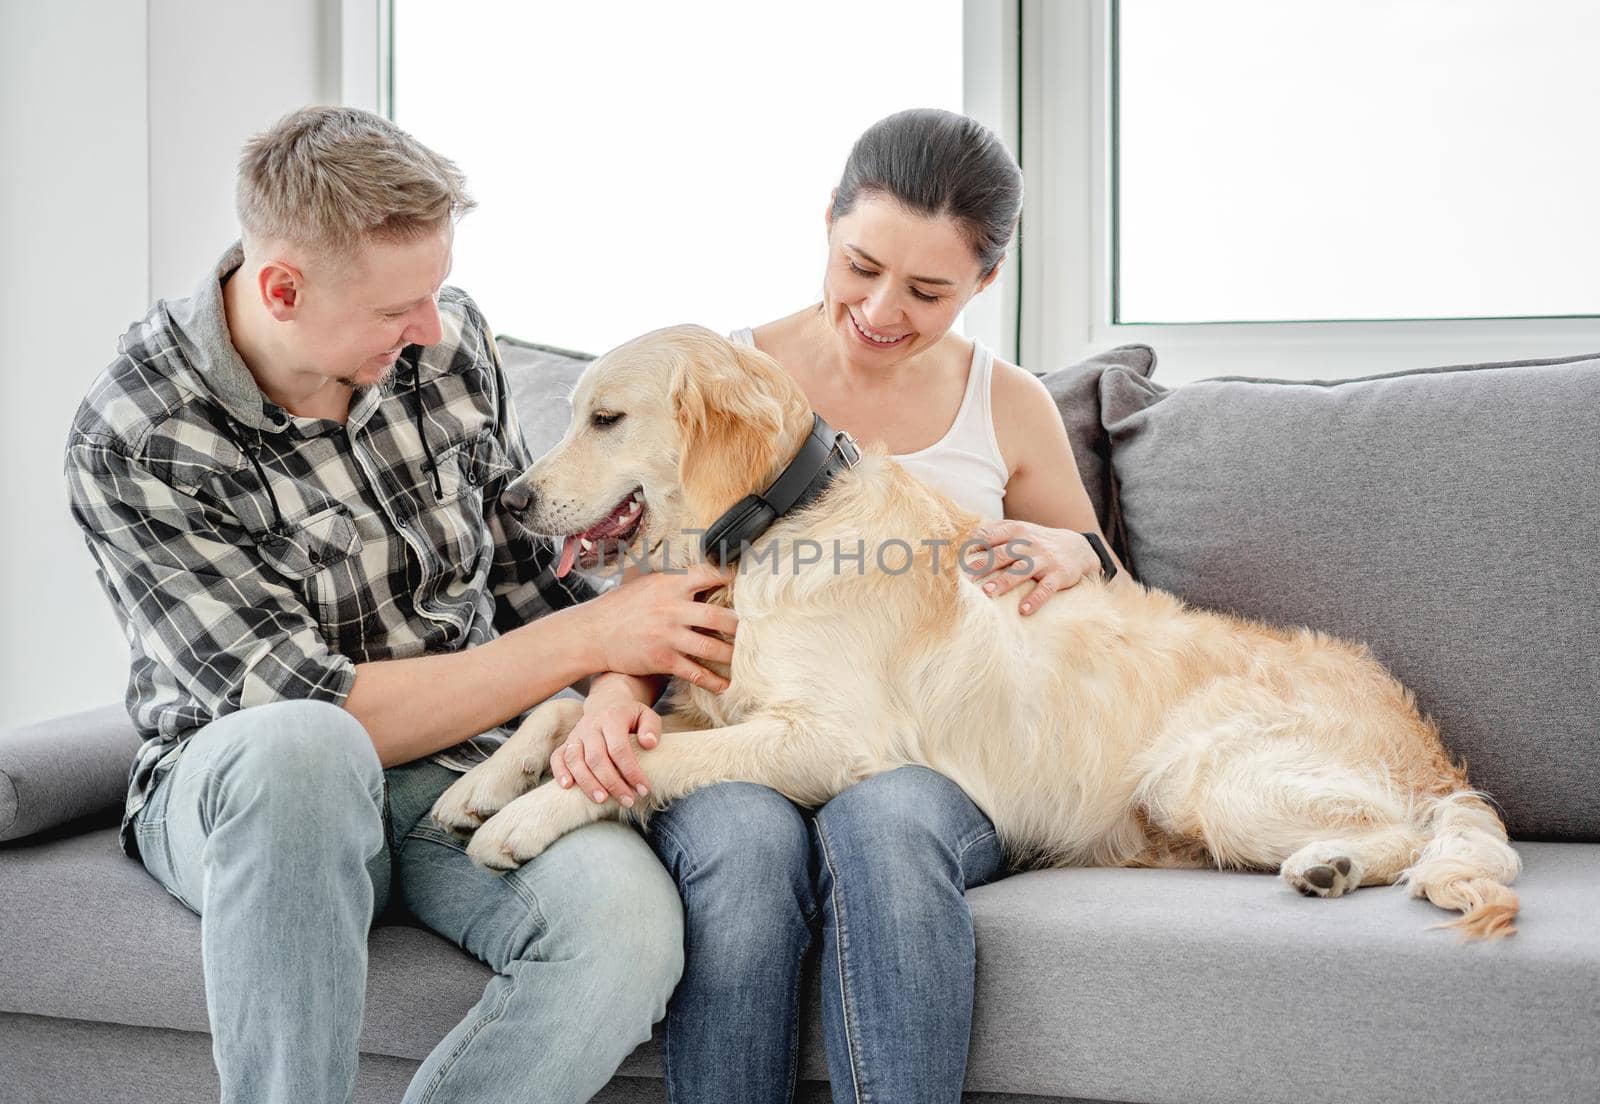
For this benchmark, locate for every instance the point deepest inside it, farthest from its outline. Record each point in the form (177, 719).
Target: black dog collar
(825, 453)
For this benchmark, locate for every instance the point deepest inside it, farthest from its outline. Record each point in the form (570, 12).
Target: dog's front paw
(1322, 870)
(525, 828)
(480, 794)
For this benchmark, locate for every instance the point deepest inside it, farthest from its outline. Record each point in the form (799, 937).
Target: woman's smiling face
(896, 280)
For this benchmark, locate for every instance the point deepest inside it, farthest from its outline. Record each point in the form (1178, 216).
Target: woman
(917, 226)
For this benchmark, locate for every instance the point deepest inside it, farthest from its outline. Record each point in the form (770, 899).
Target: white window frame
(990, 66)
(366, 55)
(1066, 248)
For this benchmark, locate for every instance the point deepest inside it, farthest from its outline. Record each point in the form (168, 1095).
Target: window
(643, 164)
(1375, 159)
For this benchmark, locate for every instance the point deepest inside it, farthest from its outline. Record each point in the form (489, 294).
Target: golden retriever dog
(1113, 727)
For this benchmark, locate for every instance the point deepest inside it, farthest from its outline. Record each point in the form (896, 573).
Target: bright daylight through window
(626, 184)
(1367, 160)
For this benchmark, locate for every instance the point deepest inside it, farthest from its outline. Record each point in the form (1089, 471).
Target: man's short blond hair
(332, 178)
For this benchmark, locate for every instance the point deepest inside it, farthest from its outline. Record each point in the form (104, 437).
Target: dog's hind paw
(1318, 870)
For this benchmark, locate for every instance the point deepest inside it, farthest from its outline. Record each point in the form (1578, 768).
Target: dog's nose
(517, 498)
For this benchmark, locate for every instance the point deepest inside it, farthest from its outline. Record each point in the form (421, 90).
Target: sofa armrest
(67, 767)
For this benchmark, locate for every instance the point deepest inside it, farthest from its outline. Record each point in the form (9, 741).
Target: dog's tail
(1468, 866)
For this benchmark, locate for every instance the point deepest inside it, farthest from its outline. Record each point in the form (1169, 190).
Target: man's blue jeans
(280, 828)
(883, 868)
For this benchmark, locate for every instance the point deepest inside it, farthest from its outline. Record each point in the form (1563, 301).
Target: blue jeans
(883, 868)
(280, 828)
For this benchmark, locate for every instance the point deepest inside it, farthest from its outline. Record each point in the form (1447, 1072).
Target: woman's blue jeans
(883, 869)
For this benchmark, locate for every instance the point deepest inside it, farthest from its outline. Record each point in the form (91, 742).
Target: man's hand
(654, 626)
(598, 755)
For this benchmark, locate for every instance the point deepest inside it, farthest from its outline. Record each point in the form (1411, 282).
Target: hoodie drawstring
(279, 527)
(427, 449)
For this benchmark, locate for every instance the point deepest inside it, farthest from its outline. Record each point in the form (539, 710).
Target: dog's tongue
(569, 553)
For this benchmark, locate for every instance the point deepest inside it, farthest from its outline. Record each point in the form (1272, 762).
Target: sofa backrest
(541, 379)
(1076, 391)
(1447, 518)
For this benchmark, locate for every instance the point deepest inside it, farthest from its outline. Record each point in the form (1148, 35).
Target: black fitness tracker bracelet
(1108, 566)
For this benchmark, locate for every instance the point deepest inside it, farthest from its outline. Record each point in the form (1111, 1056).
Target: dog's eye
(605, 418)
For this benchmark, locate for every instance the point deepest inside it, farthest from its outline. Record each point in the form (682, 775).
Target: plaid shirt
(253, 556)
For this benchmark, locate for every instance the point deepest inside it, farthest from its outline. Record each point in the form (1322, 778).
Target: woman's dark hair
(938, 163)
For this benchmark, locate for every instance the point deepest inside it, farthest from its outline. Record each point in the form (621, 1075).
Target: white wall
(75, 216)
(121, 121)
(220, 73)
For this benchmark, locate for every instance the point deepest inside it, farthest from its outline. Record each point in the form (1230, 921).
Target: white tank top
(965, 464)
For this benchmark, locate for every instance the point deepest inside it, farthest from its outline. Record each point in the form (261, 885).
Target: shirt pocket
(303, 548)
(319, 557)
(457, 529)
(472, 465)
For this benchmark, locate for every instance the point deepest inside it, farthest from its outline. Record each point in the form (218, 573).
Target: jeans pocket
(155, 846)
(426, 831)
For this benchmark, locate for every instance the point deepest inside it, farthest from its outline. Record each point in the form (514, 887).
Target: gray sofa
(1449, 518)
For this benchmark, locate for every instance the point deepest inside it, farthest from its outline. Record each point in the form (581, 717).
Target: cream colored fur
(1114, 727)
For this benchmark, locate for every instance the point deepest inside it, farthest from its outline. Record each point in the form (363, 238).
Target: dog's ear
(732, 404)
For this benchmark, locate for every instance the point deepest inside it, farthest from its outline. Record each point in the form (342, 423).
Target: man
(289, 483)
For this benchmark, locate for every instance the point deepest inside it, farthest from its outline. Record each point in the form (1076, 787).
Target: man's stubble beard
(359, 389)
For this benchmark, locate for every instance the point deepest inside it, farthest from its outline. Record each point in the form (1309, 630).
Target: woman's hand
(598, 755)
(1015, 552)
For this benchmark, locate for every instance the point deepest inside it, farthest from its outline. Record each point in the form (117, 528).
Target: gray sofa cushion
(1190, 986)
(59, 896)
(50, 1061)
(1076, 391)
(54, 1061)
(1448, 518)
(1252, 992)
(64, 768)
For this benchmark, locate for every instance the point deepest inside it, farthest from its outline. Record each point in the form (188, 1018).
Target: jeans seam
(467, 1040)
(207, 796)
(794, 1023)
(512, 879)
(666, 1055)
(847, 1006)
(659, 827)
(535, 912)
(435, 835)
(961, 852)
